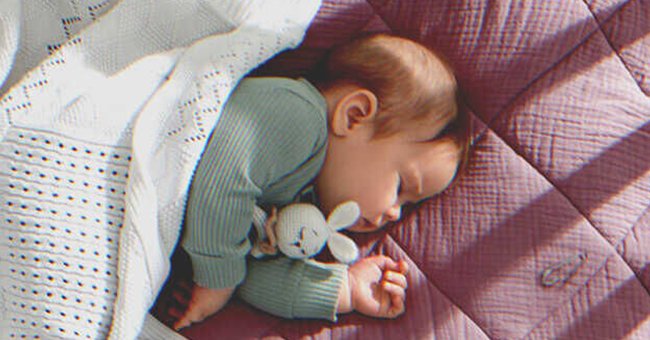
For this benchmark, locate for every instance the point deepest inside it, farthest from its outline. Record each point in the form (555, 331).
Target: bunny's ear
(259, 218)
(343, 248)
(344, 215)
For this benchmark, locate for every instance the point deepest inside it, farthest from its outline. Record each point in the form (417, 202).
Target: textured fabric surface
(547, 235)
(99, 142)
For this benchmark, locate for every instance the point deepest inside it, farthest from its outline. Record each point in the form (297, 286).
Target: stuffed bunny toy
(300, 231)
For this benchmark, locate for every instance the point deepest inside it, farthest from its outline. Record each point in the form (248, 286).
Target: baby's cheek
(438, 174)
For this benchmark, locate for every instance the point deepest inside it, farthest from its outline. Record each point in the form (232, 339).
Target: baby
(381, 125)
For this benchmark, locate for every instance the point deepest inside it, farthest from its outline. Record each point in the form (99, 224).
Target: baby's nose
(393, 214)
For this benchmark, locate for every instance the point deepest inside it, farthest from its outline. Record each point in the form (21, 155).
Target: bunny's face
(301, 231)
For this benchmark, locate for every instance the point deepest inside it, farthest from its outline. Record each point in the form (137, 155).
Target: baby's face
(384, 174)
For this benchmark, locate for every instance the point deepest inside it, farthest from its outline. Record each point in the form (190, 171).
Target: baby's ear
(343, 248)
(344, 215)
(355, 108)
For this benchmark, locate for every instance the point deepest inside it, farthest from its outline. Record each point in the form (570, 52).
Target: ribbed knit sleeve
(294, 288)
(268, 144)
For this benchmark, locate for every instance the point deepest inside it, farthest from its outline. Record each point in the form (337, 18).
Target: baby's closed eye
(409, 188)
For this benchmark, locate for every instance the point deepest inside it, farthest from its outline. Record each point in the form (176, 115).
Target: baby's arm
(374, 286)
(267, 145)
(215, 239)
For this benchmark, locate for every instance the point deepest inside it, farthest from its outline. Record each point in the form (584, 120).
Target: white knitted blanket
(104, 111)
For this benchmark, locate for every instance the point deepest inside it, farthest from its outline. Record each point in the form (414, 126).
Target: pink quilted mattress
(547, 235)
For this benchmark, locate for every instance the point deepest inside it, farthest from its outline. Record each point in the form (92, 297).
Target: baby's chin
(363, 226)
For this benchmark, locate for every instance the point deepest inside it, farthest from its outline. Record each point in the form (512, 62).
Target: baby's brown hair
(413, 84)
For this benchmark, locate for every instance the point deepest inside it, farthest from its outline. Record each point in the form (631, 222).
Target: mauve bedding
(547, 234)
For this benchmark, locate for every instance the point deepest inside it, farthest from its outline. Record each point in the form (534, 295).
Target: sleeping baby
(381, 125)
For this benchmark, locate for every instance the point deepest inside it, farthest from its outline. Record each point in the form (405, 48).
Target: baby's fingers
(178, 306)
(397, 296)
(191, 315)
(403, 267)
(396, 278)
(182, 323)
(189, 318)
(176, 312)
(181, 298)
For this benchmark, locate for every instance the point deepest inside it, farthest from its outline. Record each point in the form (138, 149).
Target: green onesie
(268, 144)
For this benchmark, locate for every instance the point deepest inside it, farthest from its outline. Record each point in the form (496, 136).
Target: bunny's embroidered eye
(302, 233)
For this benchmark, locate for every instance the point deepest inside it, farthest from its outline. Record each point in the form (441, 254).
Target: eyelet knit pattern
(86, 234)
(62, 209)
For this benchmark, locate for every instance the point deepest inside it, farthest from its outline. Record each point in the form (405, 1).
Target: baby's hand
(377, 287)
(202, 303)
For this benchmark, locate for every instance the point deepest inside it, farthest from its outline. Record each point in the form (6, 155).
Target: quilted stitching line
(402, 250)
(620, 243)
(549, 181)
(581, 213)
(375, 13)
(608, 38)
(510, 104)
(602, 266)
(489, 124)
(568, 300)
(610, 245)
(376, 8)
(505, 141)
(541, 75)
(560, 60)
(389, 24)
(513, 101)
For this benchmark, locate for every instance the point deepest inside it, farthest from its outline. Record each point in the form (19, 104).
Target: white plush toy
(300, 231)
